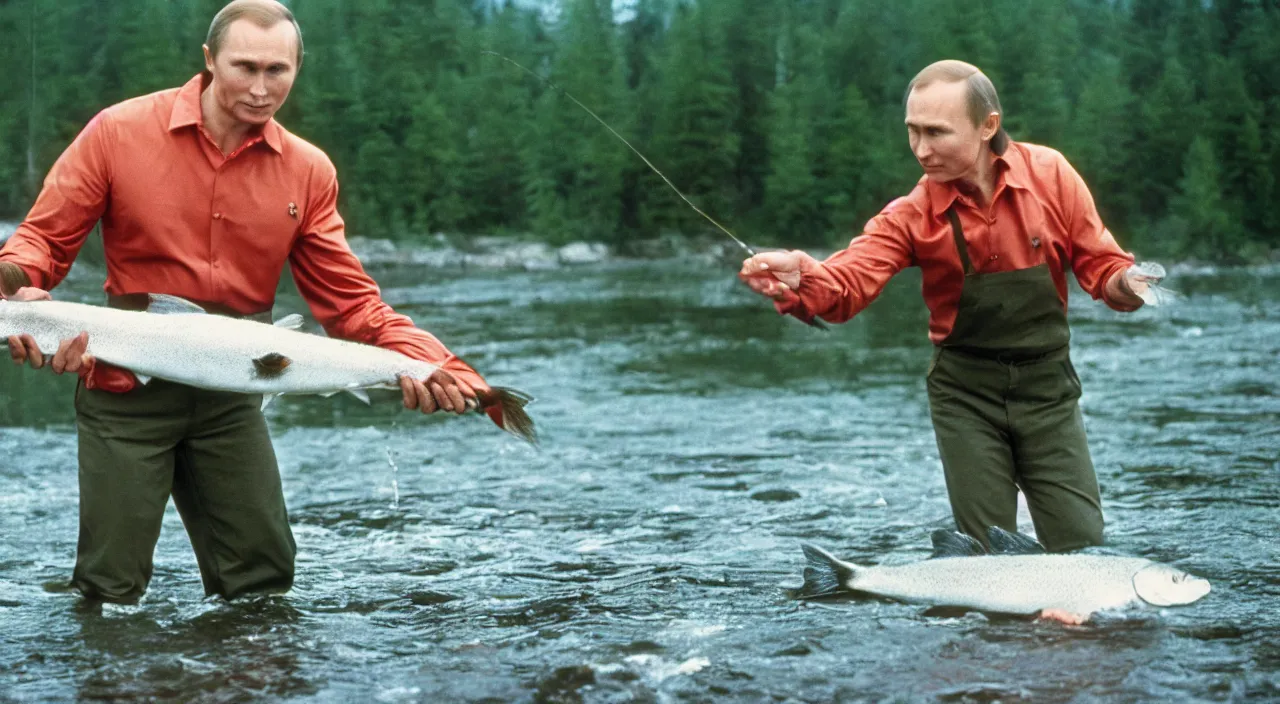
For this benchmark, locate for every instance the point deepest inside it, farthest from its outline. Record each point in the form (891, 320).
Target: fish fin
(328, 394)
(271, 365)
(1005, 543)
(164, 304)
(142, 378)
(293, 321)
(823, 574)
(508, 405)
(360, 394)
(266, 401)
(949, 543)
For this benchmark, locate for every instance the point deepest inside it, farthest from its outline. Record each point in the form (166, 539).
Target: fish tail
(506, 407)
(824, 574)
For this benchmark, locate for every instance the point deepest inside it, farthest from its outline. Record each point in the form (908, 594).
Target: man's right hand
(70, 356)
(772, 274)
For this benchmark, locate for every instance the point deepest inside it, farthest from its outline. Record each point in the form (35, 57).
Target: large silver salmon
(178, 341)
(1018, 577)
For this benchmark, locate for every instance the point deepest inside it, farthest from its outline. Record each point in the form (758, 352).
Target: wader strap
(958, 233)
(140, 301)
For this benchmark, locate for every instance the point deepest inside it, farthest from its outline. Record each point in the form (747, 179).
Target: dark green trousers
(212, 453)
(1001, 427)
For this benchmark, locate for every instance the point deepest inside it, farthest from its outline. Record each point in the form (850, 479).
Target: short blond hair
(264, 13)
(982, 96)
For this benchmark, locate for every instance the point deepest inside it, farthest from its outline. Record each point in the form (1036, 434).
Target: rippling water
(691, 441)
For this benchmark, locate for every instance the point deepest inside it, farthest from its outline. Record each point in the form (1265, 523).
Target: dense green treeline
(780, 118)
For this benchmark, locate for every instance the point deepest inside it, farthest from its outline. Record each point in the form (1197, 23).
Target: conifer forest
(780, 118)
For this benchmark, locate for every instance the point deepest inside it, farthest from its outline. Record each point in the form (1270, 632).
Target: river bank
(495, 252)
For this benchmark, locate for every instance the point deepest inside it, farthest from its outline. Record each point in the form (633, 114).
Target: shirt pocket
(263, 228)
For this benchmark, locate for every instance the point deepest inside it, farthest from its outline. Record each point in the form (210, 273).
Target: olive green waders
(1005, 404)
(212, 452)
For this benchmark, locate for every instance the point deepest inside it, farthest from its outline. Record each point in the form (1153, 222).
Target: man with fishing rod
(203, 195)
(994, 225)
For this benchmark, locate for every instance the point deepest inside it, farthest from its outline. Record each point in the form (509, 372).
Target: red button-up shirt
(179, 217)
(1040, 212)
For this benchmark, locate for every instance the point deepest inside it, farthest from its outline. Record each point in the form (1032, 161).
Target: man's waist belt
(1012, 357)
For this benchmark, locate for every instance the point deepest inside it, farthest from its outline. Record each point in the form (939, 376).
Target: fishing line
(614, 132)
(814, 322)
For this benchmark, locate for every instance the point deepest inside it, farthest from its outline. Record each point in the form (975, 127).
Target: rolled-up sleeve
(849, 280)
(1096, 257)
(344, 299)
(71, 202)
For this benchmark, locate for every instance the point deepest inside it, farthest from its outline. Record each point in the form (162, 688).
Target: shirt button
(993, 257)
(217, 216)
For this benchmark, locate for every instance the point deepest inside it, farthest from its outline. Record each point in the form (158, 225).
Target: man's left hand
(71, 355)
(440, 391)
(1140, 284)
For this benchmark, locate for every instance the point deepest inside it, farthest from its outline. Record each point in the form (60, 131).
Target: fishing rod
(815, 322)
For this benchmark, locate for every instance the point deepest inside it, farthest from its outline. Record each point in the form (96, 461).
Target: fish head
(1162, 585)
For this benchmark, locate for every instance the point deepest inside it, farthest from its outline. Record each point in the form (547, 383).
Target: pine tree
(432, 167)
(1042, 45)
(495, 98)
(1255, 181)
(856, 166)
(642, 43)
(543, 167)
(15, 104)
(792, 195)
(1167, 123)
(142, 50)
(695, 143)
(575, 188)
(739, 40)
(870, 45)
(1210, 230)
(1099, 141)
(326, 105)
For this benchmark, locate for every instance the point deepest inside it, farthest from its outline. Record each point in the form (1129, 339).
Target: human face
(943, 138)
(253, 71)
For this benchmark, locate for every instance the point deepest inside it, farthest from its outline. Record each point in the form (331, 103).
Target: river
(691, 441)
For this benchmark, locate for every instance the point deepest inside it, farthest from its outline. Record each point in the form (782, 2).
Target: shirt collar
(1011, 171)
(186, 112)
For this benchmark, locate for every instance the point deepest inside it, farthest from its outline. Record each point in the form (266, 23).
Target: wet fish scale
(1016, 584)
(212, 352)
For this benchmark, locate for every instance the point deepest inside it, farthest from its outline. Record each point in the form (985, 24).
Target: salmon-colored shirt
(179, 217)
(1041, 212)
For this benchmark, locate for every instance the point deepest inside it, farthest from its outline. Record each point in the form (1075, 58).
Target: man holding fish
(994, 226)
(203, 195)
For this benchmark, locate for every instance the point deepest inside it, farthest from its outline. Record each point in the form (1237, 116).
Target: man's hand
(1140, 284)
(440, 391)
(70, 356)
(27, 293)
(1062, 616)
(772, 274)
